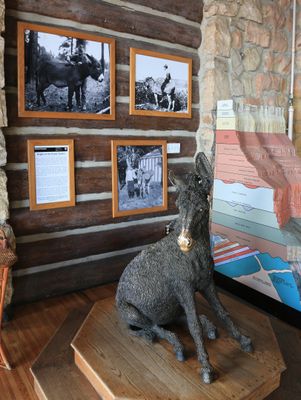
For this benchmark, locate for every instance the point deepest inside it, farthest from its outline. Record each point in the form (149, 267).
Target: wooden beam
(193, 9)
(113, 17)
(85, 214)
(123, 120)
(50, 283)
(90, 147)
(87, 180)
(84, 245)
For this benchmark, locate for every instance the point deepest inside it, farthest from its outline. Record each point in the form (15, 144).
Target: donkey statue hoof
(208, 327)
(208, 375)
(212, 334)
(180, 356)
(246, 344)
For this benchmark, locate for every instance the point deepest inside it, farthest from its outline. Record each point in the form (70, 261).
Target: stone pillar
(4, 210)
(245, 55)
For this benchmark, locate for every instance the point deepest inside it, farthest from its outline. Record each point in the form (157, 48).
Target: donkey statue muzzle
(185, 241)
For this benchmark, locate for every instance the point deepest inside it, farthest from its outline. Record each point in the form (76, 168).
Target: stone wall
(4, 211)
(245, 55)
(297, 101)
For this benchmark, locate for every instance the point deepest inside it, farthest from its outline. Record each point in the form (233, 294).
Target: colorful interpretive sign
(256, 228)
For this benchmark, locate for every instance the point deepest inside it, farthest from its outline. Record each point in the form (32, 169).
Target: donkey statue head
(192, 202)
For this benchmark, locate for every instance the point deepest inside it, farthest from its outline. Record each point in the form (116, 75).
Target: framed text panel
(51, 173)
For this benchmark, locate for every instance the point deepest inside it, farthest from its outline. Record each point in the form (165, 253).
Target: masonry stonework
(246, 55)
(4, 205)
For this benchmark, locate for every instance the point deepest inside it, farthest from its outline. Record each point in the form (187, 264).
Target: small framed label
(51, 173)
(173, 148)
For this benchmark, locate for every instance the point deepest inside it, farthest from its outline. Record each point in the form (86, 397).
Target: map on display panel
(256, 217)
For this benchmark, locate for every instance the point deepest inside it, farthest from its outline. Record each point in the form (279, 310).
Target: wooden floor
(34, 324)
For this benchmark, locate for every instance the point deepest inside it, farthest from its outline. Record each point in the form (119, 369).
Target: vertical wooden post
(3, 280)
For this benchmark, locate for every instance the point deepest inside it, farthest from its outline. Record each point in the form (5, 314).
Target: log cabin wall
(62, 250)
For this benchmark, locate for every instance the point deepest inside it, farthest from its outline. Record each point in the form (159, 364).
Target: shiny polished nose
(185, 241)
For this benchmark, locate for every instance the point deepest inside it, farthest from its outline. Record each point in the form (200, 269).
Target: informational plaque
(51, 173)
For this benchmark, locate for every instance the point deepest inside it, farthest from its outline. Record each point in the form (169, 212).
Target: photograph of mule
(160, 84)
(140, 176)
(65, 74)
(159, 285)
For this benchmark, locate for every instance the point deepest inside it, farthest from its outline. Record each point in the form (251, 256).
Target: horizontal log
(17, 185)
(84, 245)
(123, 53)
(123, 46)
(11, 70)
(191, 9)
(123, 120)
(122, 79)
(93, 180)
(56, 282)
(90, 147)
(113, 17)
(87, 180)
(84, 214)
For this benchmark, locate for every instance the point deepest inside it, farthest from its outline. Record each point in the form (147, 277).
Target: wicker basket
(7, 257)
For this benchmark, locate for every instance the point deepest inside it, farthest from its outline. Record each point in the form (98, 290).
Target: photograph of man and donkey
(65, 72)
(160, 84)
(139, 177)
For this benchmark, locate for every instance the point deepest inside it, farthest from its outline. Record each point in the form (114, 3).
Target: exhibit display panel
(256, 206)
(51, 173)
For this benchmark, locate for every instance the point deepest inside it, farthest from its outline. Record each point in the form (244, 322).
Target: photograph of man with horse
(66, 73)
(162, 84)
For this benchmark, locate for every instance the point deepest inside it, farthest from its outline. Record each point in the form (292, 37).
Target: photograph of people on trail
(65, 72)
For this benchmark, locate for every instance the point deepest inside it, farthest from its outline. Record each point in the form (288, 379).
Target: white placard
(52, 174)
(173, 148)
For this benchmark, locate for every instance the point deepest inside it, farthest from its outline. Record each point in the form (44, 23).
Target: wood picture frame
(139, 176)
(51, 173)
(160, 84)
(73, 72)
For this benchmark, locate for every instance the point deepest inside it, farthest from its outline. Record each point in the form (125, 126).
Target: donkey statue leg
(209, 328)
(211, 296)
(142, 326)
(187, 300)
(172, 338)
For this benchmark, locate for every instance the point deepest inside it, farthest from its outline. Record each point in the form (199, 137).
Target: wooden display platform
(55, 374)
(120, 366)
(4, 363)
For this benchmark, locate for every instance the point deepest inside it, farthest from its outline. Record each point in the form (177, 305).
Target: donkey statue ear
(89, 58)
(204, 171)
(174, 180)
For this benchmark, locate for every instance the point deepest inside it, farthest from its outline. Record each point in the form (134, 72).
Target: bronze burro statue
(160, 283)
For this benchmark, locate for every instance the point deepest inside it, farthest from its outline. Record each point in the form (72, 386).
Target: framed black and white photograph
(139, 176)
(160, 84)
(65, 74)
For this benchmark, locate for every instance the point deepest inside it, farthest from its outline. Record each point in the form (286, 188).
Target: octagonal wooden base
(120, 366)
(3, 358)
